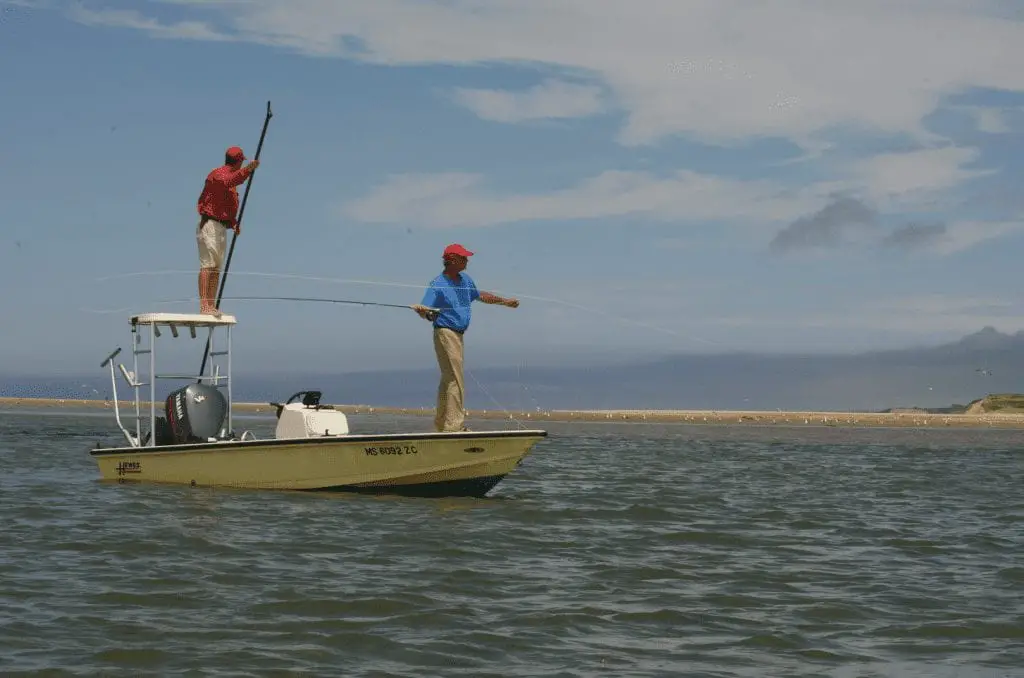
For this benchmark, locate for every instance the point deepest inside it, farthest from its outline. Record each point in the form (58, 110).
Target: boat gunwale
(231, 445)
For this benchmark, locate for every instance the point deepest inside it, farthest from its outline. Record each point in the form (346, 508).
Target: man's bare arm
(489, 298)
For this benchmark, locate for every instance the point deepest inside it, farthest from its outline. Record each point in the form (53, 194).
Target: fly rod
(431, 312)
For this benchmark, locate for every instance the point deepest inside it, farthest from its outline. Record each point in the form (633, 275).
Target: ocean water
(614, 550)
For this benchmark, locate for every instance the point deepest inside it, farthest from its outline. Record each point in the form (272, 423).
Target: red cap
(456, 248)
(235, 153)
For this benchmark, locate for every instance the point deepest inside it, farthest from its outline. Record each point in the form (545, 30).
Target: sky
(648, 178)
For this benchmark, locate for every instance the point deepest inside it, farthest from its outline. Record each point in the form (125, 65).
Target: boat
(192, 439)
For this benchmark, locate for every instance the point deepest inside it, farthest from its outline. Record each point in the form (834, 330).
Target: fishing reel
(431, 315)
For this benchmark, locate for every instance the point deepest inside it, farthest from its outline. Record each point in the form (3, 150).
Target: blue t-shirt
(453, 299)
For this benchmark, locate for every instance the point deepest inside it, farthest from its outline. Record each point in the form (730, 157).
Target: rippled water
(616, 549)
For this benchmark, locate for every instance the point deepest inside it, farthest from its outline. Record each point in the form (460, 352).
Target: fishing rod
(431, 312)
(238, 223)
(295, 276)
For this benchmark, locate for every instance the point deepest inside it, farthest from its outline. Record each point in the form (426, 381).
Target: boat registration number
(391, 449)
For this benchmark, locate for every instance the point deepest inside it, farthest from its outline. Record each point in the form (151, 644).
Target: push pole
(241, 213)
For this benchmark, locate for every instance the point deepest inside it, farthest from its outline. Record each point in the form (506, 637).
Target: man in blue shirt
(452, 293)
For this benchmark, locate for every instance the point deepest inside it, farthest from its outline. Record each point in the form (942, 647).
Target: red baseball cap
(456, 248)
(235, 153)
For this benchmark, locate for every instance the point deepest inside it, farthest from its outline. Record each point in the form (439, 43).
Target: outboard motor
(196, 414)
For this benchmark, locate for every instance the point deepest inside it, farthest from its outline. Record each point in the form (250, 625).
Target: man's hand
(511, 303)
(424, 312)
(237, 228)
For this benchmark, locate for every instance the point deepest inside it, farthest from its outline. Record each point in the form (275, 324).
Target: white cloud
(720, 70)
(128, 18)
(918, 180)
(30, 4)
(459, 200)
(990, 120)
(550, 99)
(963, 235)
(725, 71)
(913, 179)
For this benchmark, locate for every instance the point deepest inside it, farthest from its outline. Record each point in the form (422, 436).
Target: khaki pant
(451, 392)
(212, 240)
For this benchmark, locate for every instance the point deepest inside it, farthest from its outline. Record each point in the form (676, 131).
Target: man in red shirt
(218, 210)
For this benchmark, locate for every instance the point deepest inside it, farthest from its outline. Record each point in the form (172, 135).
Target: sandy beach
(779, 418)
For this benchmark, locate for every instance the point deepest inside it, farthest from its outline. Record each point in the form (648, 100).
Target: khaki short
(212, 239)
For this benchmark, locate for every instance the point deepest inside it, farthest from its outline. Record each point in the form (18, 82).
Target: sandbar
(741, 417)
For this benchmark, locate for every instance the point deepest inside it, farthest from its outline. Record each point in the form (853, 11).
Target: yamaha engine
(196, 414)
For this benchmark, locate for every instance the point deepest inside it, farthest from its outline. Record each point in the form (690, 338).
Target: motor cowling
(196, 414)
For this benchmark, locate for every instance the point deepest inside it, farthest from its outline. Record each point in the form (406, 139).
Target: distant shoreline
(811, 418)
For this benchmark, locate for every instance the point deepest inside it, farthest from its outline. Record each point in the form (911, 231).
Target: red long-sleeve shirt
(219, 199)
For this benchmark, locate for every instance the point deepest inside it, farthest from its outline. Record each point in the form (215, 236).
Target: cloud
(718, 71)
(820, 215)
(550, 99)
(791, 69)
(127, 18)
(460, 200)
(914, 236)
(30, 4)
(916, 178)
(990, 120)
(946, 239)
(962, 235)
(827, 227)
(846, 220)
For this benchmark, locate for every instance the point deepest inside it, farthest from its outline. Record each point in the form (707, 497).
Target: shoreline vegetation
(994, 411)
